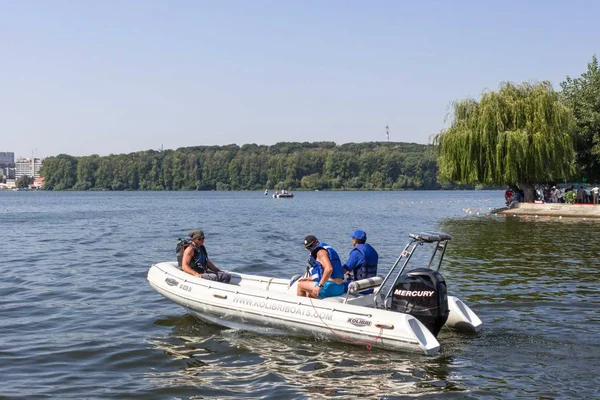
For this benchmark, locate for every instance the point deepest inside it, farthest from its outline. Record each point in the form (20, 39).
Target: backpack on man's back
(182, 244)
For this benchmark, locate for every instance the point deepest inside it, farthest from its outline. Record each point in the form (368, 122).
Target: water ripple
(80, 321)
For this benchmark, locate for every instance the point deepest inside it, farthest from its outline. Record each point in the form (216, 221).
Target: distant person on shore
(195, 260)
(556, 195)
(327, 274)
(362, 260)
(520, 195)
(539, 194)
(580, 195)
(559, 194)
(508, 195)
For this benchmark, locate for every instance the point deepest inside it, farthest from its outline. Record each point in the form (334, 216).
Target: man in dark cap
(362, 260)
(195, 260)
(327, 272)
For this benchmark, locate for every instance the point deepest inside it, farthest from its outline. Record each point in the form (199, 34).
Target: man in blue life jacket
(362, 260)
(195, 260)
(327, 274)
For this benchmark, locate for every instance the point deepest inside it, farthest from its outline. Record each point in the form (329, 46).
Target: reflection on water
(535, 283)
(524, 260)
(212, 357)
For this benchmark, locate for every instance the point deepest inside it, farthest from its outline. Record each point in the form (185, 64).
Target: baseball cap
(359, 235)
(197, 234)
(309, 241)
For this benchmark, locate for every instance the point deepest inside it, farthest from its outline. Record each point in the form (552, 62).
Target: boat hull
(270, 305)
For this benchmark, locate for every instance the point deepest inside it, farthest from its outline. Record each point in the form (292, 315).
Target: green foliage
(24, 181)
(519, 134)
(583, 97)
(569, 197)
(60, 172)
(290, 166)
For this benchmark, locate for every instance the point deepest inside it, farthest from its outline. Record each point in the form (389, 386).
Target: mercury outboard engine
(422, 293)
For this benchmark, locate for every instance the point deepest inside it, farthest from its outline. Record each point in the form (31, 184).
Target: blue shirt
(355, 260)
(362, 261)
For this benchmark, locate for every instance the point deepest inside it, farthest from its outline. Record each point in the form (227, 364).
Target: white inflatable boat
(405, 311)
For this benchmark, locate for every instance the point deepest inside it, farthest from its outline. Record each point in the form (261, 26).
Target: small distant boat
(284, 194)
(266, 192)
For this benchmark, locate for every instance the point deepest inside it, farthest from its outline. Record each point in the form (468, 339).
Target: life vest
(316, 272)
(199, 262)
(369, 267)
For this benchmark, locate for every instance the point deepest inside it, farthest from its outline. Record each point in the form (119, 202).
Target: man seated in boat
(362, 260)
(195, 260)
(327, 272)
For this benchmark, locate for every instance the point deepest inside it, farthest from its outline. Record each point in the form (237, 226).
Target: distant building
(9, 173)
(23, 167)
(28, 166)
(38, 183)
(37, 165)
(6, 158)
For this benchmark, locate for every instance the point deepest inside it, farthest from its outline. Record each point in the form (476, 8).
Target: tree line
(286, 165)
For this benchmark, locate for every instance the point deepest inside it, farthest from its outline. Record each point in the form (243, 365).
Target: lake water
(79, 320)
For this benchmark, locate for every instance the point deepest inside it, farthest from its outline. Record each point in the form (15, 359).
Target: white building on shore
(28, 166)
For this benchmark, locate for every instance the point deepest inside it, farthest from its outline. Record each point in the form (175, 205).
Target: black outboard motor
(422, 293)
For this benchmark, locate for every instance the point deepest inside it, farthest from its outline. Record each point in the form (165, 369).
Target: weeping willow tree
(519, 135)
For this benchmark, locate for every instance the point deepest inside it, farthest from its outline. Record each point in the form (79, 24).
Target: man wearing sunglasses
(195, 260)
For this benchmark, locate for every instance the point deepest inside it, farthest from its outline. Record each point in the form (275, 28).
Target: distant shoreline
(262, 190)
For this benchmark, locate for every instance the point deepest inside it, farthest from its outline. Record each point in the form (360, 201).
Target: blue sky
(99, 77)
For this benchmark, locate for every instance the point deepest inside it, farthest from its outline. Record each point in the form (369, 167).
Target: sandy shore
(554, 210)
